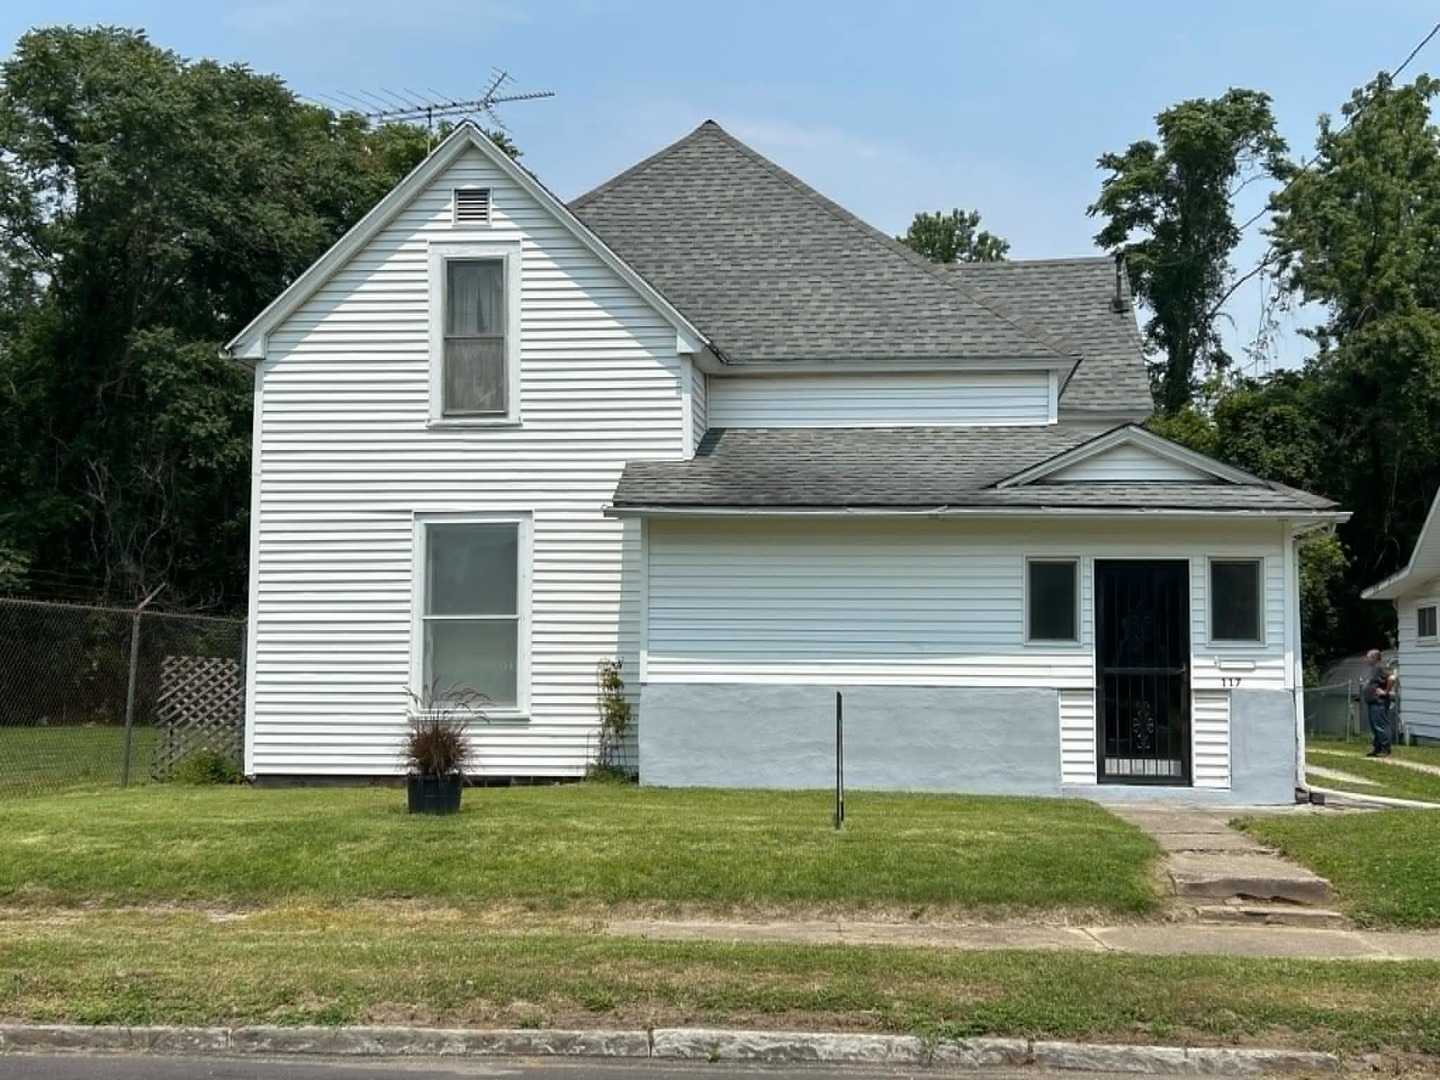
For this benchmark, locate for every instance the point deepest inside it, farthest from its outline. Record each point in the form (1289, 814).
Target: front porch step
(1258, 914)
(1215, 876)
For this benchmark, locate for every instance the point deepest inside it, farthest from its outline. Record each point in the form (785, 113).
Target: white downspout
(1294, 666)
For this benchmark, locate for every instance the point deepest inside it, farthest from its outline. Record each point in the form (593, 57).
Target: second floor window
(474, 381)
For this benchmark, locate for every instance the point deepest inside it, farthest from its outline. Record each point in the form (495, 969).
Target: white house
(706, 421)
(1415, 591)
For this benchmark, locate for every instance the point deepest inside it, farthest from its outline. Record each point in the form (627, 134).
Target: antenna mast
(409, 107)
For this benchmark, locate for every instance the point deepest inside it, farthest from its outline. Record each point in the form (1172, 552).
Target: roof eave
(1318, 517)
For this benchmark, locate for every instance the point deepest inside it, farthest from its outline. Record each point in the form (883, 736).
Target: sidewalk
(1150, 939)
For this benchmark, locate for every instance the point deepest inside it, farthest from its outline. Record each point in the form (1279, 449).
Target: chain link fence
(103, 696)
(1336, 712)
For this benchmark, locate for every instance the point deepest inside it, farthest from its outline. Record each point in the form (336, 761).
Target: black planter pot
(434, 794)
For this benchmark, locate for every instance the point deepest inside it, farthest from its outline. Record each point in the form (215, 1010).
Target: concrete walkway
(1153, 939)
(1389, 759)
(1211, 864)
(1326, 773)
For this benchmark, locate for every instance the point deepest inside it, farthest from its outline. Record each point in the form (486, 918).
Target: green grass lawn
(295, 966)
(1385, 866)
(1394, 781)
(572, 847)
(43, 759)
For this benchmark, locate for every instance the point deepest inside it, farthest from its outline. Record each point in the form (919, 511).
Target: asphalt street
(96, 1067)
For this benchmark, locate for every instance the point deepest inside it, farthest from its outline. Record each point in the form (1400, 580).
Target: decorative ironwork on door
(1142, 651)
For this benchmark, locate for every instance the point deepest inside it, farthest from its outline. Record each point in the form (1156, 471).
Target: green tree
(954, 237)
(1357, 235)
(1273, 427)
(1169, 207)
(152, 206)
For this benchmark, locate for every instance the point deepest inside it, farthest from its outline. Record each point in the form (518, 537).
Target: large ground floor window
(473, 629)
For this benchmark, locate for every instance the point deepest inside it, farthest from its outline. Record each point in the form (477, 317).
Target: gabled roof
(774, 272)
(250, 342)
(1200, 466)
(918, 469)
(1074, 299)
(1423, 567)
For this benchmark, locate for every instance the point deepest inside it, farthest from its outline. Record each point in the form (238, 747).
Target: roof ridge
(640, 166)
(936, 272)
(1049, 260)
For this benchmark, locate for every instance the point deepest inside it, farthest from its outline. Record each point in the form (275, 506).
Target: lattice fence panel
(201, 707)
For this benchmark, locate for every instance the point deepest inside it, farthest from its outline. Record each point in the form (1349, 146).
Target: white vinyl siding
(1129, 463)
(345, 463)
(1077, 737)
(842, 400)
(1210, 739)
(917, 602)
(699, 405)
(1419, 668)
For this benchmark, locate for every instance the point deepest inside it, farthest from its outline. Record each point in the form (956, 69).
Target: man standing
(1377, 703)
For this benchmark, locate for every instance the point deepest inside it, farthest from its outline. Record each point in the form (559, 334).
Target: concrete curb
(672, 1044)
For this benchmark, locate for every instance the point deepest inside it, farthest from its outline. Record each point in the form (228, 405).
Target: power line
(1305, 165)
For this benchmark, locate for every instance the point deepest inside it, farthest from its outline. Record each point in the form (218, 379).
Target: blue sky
(887, 108)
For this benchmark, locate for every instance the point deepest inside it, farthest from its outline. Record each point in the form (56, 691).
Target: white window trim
(441, 252)
(1061, 643)
(1430, 641)
(525, 551)
(1262, 607)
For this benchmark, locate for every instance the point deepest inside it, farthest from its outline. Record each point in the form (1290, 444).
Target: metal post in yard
(839, 760)
(130, 685)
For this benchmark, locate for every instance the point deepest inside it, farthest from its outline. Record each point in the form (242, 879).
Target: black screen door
(1142, 652)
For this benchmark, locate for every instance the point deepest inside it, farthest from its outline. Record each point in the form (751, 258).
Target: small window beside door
(1426, 626)
(1052, 600)
(1236, 603)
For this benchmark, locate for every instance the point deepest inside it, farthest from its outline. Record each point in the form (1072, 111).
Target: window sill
(1236, 645)
(507, 716)
(1053, 643)
(459, 424)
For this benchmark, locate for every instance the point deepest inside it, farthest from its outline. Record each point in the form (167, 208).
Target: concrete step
(1258, 914)
(1210, 876)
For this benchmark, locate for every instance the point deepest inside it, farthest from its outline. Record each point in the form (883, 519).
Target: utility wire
(1305, 165)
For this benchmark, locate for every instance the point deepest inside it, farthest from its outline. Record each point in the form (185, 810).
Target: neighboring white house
(1415, 591)
(706, 421)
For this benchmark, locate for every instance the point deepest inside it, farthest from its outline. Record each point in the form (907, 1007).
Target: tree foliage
(954, 237)
(1358, 235)
(151, 207)
(1169, 207)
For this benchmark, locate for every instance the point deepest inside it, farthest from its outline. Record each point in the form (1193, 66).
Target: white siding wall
(1128, 462)
(1419, 669)
(979, 398)
(699, 405)
(346, 461)
(935, 603)
(1210, 739)
(1077, 737)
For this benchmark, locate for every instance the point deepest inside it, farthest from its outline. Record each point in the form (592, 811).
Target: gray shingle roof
(1072, 298)
(911, 468)
(773, 271)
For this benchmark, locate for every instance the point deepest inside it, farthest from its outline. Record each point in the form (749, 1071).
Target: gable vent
(472, 206)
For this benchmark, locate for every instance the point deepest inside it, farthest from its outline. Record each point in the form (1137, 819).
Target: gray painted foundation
(977, 741)
(1263, 746)
(896, 738)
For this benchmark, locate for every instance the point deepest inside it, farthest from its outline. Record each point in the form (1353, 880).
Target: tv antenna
(409, 107)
